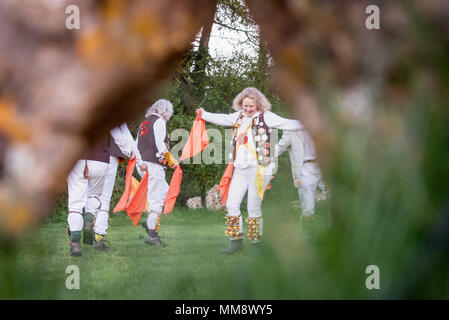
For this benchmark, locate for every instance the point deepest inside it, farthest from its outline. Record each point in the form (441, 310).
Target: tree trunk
(262, 61)
(200, 59)
(205, 34)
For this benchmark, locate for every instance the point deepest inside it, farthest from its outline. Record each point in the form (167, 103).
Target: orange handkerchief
(173, 190)
(198, 140)
(226, 182)
(121, 205)
(138, 202)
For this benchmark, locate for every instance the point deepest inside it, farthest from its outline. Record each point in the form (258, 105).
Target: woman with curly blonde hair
(252, 159)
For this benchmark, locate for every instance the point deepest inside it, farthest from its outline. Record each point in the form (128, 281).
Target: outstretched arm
(225, 120)
(275, 121)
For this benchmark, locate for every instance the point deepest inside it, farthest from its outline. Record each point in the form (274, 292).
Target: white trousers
(102, 219)
(109, 182)
(85, 193)
(157, 190)
(242, 182)
(310, 180)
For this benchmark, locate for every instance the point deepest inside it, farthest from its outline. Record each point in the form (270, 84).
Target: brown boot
(75, 245)
(100, 243)
(75, 249)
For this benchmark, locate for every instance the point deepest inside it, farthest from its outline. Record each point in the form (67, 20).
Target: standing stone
(213, 199)
(194, 203)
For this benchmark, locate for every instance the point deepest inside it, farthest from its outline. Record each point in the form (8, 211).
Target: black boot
(153, 238)
(88, 228)
(236, 245)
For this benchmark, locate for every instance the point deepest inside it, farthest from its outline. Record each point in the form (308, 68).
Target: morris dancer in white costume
(306, 173)
(117, 157)
(153, 145)
(85, 186)
(253, 163)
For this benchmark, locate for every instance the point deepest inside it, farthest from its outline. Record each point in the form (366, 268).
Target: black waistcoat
(147, 143)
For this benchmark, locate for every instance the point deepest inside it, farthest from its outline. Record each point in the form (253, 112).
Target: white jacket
(272, 120)
(243, 157)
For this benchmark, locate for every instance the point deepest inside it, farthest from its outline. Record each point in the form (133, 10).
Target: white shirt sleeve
(160, 131)
(275, 121)
(225, 120)
(130, 140)
(282, 145)
(121, 141)
(138, 155)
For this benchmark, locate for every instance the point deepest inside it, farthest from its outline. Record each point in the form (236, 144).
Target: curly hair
(162, 107)
(262, 102)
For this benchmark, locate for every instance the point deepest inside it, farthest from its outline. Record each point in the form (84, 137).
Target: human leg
(77, 194)
(102, 215)
(309, 182)
(157, 190)
(234, 224)
(93, 221)
(255, 219)
(109, 182)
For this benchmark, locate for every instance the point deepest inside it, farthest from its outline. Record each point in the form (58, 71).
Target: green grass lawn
(189, 266)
